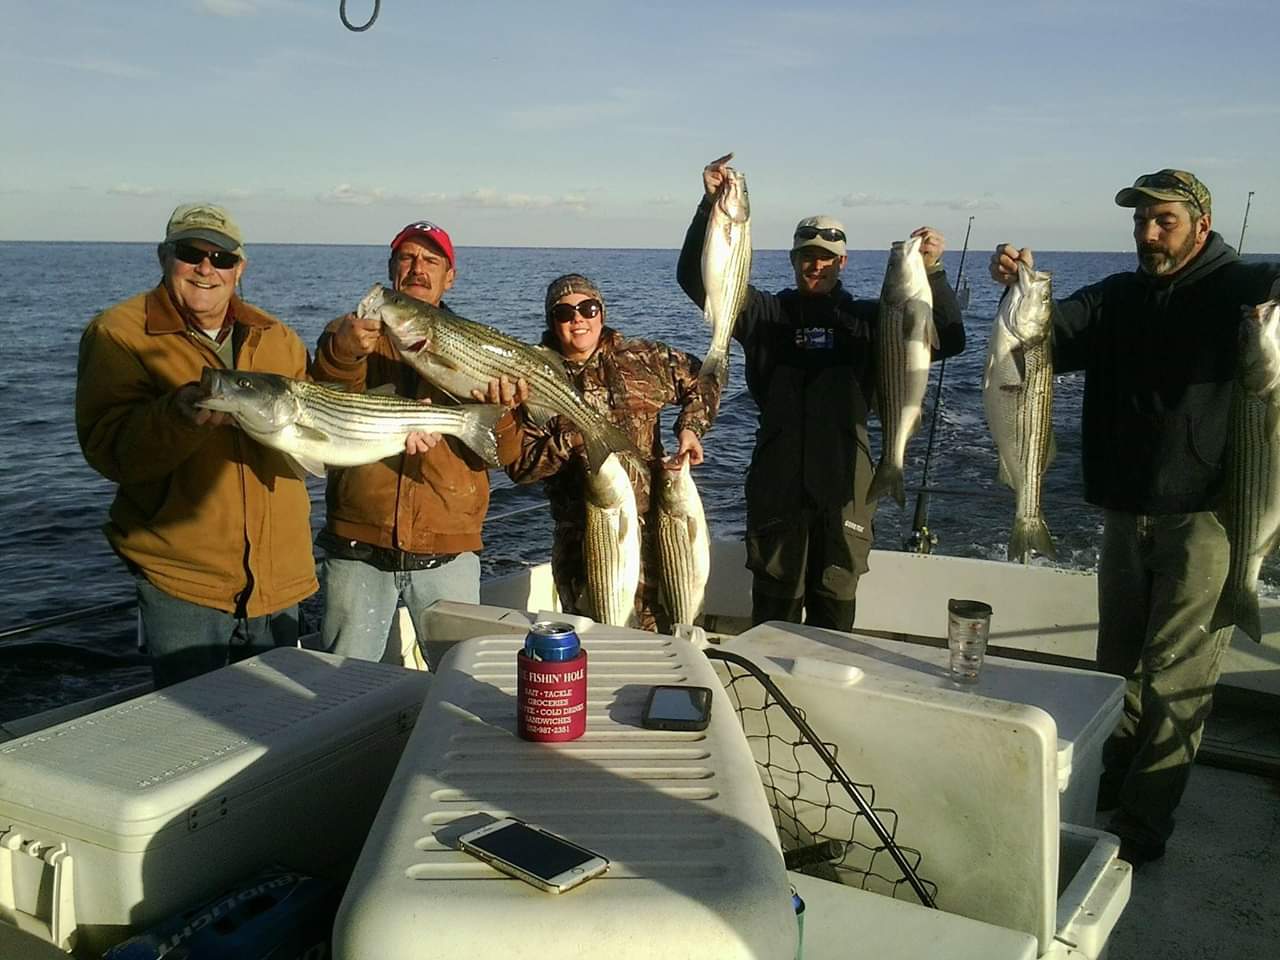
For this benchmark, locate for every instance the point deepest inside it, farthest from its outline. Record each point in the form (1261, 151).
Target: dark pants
(810, 560)
(185, 639)
(1159, 580)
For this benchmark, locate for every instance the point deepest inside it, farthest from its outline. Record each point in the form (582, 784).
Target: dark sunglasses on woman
(190, 253)
(587, 309)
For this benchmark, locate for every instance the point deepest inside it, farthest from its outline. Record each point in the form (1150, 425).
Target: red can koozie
(551, 698)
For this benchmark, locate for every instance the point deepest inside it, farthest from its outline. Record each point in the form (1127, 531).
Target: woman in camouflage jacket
(629, 381)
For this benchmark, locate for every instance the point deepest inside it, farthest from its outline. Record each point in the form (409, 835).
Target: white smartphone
(533, 855)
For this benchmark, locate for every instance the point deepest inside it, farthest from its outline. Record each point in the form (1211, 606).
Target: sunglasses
(829, 234)
(1162, 181)
(190, 253)
(587, 309)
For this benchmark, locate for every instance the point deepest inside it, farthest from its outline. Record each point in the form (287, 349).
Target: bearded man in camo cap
(1159, 350)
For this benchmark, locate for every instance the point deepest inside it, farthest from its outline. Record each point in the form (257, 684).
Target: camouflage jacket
(630, 381)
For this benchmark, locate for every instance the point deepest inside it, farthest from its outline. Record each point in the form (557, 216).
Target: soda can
(551, 684)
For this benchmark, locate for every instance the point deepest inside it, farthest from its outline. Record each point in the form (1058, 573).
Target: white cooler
(973, 773)
(118, 819)
(696, 867)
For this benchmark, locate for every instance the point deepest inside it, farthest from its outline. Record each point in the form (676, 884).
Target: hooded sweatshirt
(1159, 356)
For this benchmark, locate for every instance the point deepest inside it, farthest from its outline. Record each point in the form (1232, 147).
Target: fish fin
(1030, 533)
(384, 389)
(334, 385)
(887, 480)
(301, 465)
(1051, 454)
(1002, 473)
(1019, 358)
(706, 313)
(551, 357)
(479, 430)
(540, 415)
(312, 435)
(934, 342)
(1241, 610)
(1273, 419)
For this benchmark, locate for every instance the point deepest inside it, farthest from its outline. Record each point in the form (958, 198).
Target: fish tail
(1239, 607)
(715, 368)
(604, 439)
(479, 430)
(887, 480)
(1030, 533)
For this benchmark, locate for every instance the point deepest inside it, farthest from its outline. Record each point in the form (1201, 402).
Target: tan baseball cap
(1167, 185)
(205, 221)
(820, 231)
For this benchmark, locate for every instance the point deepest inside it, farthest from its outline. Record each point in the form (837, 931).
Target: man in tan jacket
(214, 525)
(407, 528)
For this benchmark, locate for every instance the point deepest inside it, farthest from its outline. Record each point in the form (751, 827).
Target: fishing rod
(1244, 223)
(922, 539)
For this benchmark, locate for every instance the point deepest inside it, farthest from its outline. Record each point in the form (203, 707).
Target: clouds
(961, 204)
(480, 198)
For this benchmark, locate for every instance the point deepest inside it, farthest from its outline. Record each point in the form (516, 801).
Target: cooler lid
(135, 767)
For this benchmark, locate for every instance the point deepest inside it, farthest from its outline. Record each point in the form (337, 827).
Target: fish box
(696, 869)
(115, 820)
(977, 775)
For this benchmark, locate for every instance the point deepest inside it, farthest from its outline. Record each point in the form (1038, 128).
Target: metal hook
(342, 12)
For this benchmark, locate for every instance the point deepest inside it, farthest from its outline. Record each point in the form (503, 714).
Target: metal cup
(968, 623)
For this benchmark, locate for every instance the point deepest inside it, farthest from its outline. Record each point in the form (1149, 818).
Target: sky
(587, 124)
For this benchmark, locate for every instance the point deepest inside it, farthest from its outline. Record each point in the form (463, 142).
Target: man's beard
(1159, 263)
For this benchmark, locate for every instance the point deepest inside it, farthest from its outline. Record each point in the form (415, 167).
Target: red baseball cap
(427, 229)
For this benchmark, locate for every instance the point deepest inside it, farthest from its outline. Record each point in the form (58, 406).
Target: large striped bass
(726, 268)
(1017, 392)
(611, 545)
(460, 355)
(684, 545)
(316, 425)
(904, 347)
(1251, 510)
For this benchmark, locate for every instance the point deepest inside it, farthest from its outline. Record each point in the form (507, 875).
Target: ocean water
(52, 505)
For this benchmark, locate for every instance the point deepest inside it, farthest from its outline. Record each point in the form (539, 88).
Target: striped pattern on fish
(611, 545)
(726, 270)
(684, 545)
(316, 425)
(1251, 508)
(905, 340)
(1017, 393)
(459, 355)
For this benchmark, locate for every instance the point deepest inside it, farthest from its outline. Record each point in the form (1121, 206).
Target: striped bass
(684, 545)
(1251, 511)
(726, 268)
(611, 545)
(1017, 392)
(316, 425)
(460, 355)
(905, 340)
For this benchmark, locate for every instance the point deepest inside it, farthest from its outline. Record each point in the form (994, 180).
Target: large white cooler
(118, 819)
(696, 867)
(973, 774)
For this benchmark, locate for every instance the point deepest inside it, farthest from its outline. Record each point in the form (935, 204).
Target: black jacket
(810, 367)
(1159, 356)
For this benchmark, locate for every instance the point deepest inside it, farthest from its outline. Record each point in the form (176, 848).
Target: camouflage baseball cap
(205, 221)
(1169, 185)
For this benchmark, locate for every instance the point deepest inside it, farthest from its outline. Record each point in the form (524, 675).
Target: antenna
(1245, 222)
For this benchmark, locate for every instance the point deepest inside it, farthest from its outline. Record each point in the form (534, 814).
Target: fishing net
(829, 826)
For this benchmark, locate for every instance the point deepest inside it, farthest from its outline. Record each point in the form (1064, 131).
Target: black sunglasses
(829, 234)
(587, 309)
(190, 253)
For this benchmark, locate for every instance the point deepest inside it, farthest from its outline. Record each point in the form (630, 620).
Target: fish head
(673, 479)
(1260, 347)
(408, 321)
(1031, 317)
(260, 402)
(732, 197)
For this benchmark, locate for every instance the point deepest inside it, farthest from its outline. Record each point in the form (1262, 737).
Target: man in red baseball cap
(407, 528)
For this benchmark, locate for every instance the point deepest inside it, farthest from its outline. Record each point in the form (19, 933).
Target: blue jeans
(185, 639)
(360, 601)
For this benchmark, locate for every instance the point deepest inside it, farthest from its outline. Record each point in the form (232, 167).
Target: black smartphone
(671, 707)
(536, 856)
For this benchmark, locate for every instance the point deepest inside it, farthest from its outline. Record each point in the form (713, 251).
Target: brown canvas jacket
(206, 514)
(431, 503)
